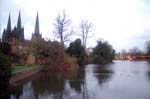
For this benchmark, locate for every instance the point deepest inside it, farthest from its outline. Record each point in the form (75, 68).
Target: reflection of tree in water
(4, 88)
(17, 91)
(77, 81)
(48, 83)
(5, 74)
(148, 72)
(103, 73)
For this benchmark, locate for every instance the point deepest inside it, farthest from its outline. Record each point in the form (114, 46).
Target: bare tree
(135, 51)
(62, 26)
(148, 47)
(85, 28)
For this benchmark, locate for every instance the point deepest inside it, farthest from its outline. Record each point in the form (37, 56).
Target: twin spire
(17, 33)
(36, 31)
(18, 23)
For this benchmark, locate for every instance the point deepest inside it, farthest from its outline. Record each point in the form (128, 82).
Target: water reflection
(103, 73)
(148, 72)
(4, 88)
(76, 82)
(16, 91)
(5, 73)
(50, 83)
(121, 80)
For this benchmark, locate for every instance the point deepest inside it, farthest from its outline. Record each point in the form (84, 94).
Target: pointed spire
(37, 31)
(9, 23)
(19, 21)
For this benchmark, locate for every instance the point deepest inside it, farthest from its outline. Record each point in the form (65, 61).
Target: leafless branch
(85, 30)
(61, 25)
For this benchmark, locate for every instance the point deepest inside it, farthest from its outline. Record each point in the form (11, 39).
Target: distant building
(15, 35)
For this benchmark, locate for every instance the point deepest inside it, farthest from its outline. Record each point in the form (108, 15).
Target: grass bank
(19, 68)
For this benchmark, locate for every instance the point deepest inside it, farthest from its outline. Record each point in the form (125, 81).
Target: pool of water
(118, 80)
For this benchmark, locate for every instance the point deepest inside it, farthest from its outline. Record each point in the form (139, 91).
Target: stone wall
(31, 59)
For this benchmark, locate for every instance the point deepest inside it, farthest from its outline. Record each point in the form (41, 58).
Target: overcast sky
(123, 23)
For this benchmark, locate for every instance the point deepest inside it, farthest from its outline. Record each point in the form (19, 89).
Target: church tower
(37, 30)
(9, 24)
(36, 35)
(18, 31)
(19, 21)
(7, 31)
(17, 34)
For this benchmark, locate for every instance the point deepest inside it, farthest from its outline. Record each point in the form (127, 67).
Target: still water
(118, 80)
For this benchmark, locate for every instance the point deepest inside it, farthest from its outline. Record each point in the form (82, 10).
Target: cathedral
(16, 35)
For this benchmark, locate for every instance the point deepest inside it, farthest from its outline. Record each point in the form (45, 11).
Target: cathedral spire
(19, 21)
(37, 31)
(9, 23)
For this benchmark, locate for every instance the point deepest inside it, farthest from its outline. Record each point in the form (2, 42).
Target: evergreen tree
(103, 52)
(77, 50)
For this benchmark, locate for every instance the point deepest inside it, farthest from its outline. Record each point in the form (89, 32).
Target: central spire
(37, 31)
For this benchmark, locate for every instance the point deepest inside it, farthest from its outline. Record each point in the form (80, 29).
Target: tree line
(54, 54)
(137, 51)
(63, 29)
(102, 53)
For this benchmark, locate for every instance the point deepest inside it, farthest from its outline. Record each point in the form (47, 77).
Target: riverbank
(115, 81)
(20, 76)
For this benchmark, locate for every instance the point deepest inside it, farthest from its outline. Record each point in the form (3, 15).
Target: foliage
(5, 48)
(5, 66)
(5, 74)
(77, 50)
(103, 52)
(51, 55)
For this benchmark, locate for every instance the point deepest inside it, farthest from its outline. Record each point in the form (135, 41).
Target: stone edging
(21, 76)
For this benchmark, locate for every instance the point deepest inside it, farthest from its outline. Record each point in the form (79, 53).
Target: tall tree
(85, 28)
(103, 52)
(148, 47)
(135, 50)
(77, 50)
(62, 27)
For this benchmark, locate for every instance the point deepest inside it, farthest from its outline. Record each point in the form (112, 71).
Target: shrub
(5, 48)
(5, 66)
(103, 52)
(77, 50)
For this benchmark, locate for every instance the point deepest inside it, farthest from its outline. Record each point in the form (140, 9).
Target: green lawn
(18, 68)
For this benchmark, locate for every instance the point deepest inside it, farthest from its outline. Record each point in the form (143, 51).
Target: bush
(51, 55)
(77, 50)
(5, 66)
(5, 74)
(5, 48)
(103, 53)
